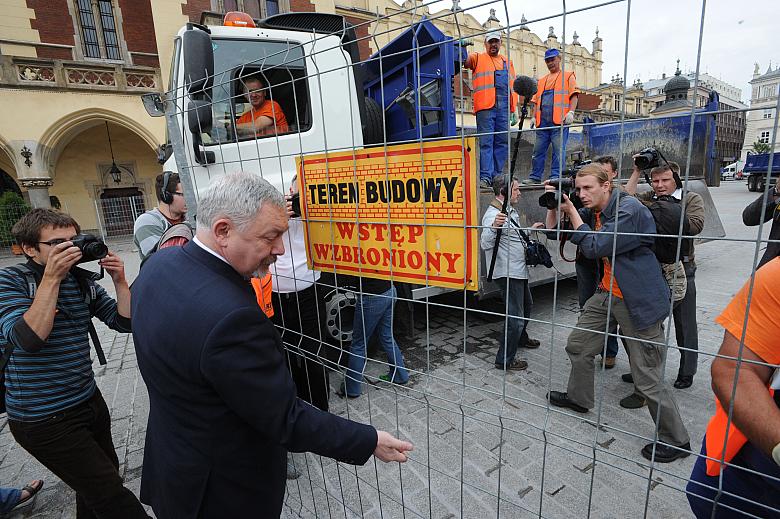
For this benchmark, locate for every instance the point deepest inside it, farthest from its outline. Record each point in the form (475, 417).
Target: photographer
(55, 410)
(633, 293)
(511, 273)
(667, 185)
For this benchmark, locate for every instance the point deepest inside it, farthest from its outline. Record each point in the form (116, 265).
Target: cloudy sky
(736, 33)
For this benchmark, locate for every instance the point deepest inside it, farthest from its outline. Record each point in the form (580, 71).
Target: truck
(404, 93)
(757, 169)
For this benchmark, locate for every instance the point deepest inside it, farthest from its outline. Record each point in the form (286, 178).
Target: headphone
(166, 196)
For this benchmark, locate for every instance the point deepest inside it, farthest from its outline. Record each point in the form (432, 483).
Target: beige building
(72, 71)
(615, 97)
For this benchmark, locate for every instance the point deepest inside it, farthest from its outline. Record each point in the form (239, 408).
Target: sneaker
(665, 453)
(387, 377)
(342, 392)
(485, 183)
(530, 343)
(531, 182)
(627, 377)
(683, 382)
(515, 365)
(560, 399)
(609, 362)
(633, 401)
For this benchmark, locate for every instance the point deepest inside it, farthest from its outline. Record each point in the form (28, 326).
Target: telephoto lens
(92, 247)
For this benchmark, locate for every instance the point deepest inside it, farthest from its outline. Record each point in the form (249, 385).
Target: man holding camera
(632, 293)
(511, 273)
(55, 409)
(667, 185)
(758, 212)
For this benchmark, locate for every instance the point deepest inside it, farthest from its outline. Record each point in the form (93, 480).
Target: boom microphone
(524, 86)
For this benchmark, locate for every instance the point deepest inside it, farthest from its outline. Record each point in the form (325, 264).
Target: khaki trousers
(646, 359)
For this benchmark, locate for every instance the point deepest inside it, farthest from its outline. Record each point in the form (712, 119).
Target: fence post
(99, 220)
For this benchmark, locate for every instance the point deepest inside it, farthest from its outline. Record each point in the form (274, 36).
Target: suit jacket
(223, 410)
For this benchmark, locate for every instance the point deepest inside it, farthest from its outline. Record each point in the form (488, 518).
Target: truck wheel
(373, 127)
(339, 314)
(751, 183)
(761, 185)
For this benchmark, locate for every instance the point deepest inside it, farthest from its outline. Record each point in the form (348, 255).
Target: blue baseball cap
(551, 53)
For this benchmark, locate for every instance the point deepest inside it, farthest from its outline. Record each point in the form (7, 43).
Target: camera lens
(95, 250)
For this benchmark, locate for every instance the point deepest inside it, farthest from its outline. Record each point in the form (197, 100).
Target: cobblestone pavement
(483, 441)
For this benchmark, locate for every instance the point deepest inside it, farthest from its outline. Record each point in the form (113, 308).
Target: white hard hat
(493, 35)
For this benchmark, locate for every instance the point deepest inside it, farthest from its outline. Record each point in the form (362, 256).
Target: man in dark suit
(223, 407)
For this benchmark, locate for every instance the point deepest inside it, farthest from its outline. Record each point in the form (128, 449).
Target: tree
(761, 147)
(12, 208)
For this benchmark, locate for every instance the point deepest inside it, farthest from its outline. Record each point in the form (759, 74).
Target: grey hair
(238, 197)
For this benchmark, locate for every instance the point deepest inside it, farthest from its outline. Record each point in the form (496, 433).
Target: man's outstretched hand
(390, 448)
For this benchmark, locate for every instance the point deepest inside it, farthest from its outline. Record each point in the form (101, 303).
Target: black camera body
(92, 248)
(296, 204)
(648, 158)
(564, 186)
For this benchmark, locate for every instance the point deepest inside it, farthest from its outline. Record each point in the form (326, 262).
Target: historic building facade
(763, 109)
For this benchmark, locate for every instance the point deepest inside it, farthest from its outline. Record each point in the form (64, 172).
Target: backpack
(667, 211)
(175, 235)
(86, 281)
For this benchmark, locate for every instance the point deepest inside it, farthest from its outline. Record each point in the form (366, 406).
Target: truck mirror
(198, 61)
(154, 104)
(199, 116)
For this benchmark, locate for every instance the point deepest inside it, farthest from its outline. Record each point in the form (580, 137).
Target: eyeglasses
(177, 193)
(54, 242)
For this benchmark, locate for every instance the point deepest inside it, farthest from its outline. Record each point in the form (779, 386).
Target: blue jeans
(9, 497)
(702, 489)
(545, 137)
(492, 126)
(518, 310)
(587, 281)
(373, 313)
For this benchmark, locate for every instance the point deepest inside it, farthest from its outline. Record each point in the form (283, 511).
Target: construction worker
(554, 104)
(492, 79)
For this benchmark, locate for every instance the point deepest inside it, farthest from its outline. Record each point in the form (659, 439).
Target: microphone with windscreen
(525, 86)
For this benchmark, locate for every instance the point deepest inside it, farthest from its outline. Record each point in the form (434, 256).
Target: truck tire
(760, 185)
(752, 183)
(373, 127)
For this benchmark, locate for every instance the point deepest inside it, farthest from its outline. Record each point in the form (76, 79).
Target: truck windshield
(259, 90)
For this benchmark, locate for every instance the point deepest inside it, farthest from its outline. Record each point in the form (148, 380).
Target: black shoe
(666, 453)
(530, 343)
(560, 399)
(515, 365)
(627, 377)
(633, 401)
(683, 382)
(485, 183)
(342, 392)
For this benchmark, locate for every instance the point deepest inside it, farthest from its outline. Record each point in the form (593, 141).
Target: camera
(92, 248)
(648, 158)
(564, 185)
(296, 204)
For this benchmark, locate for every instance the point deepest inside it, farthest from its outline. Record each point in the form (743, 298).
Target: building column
(38, 190)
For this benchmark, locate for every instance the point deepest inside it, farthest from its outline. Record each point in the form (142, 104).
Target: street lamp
(114, 171)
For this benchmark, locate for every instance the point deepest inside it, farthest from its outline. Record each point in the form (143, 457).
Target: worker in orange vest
(493, 102)
(554, 104)
(741, 471)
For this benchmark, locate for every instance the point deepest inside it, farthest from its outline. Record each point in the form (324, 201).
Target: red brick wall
(297, 6)
(193, 9)
(54, 25)
(361, 33)
(138, 29)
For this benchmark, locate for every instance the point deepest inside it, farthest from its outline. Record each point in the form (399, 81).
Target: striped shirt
(59, 375)
(147, 231)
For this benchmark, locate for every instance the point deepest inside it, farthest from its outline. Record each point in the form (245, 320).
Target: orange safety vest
(563, 91)
(719, 447)
(262, 289)
(484, 93)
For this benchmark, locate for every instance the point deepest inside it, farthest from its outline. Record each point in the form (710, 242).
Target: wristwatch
(776, 454)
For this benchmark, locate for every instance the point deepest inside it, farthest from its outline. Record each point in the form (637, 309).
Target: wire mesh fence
(564, 435)
(12, 208)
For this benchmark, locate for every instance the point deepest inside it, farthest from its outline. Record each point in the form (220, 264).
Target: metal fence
(115, 216)
(487, 441)
(10, 213)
